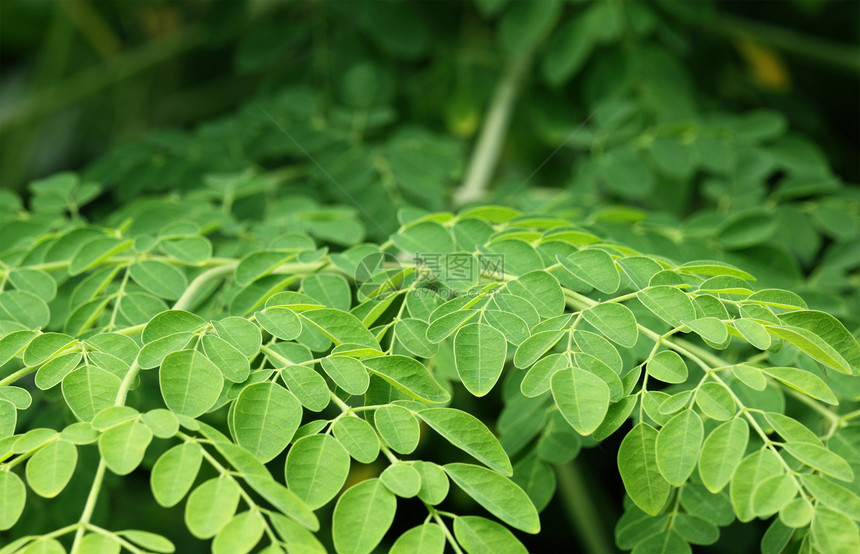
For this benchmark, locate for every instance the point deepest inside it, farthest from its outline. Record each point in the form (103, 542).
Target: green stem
(581, 511)
(487, 150)
(201, 281)
(838, 56)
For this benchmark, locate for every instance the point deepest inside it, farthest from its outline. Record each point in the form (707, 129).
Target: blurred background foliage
(689, 129)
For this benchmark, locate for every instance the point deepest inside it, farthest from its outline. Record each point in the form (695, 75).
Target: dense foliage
(267, 332)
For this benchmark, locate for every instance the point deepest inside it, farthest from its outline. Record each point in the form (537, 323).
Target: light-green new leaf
(678, 444)
(265, 418)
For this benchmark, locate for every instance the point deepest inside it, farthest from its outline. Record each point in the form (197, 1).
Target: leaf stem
(581, 511)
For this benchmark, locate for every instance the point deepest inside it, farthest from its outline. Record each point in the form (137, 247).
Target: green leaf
(230, 361)
(615, 321)
(282, 323)
(797, 513)
(594, 267)
(340, 327)
(25, 308)
(540, 289)
(147, 540)
(99, 544)
(820, 458)
(175, 472)
(44, 346)
(152, 354)
(330, 290)
(715, 401)
(159, 278)
(409, 376)
(362, 516)
(709, 328)
(308, 386)
(744, 229)
(96, 251)
(833, 495)
(113, 416)
(89, 390)
(316, 469)
(637, 464)
(434, 482)
(123, 447)
(721, 453)
(444, 326)
(54, 371)
(830, 330)
(499, 495)
(398, 428)
(669, 304)
(171, 322)
(34, 281)
(754, 469)
(265, 418)
(478, 535)
(772, 494)
(512, 326)
(714, 268)
(211, 506)
(190, 383)
(243, 335)
(833, 531)
(581, 397)
(401, 479)
(14, 343)
(567, 51)
(469, 434)
(347, 373)
(259, 264)
(812, 344)
(803, 381)
(240, 535)
(412, 334)
(358, 437)
(51, 468)
(423, 539)
(667, 366)
(479, 356)
(426, 237)
(535, 346)
(538, 379)
(753, 332)
(524, 26)
(678, 445)
(191, 250)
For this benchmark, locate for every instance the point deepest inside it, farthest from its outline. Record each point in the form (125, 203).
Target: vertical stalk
(487, 150)
(580, 510)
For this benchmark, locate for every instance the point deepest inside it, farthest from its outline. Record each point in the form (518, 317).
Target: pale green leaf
(408, 375)
(174, 473)
(159, 278)
(316, 469)
(423, 539)
(820, 458)
(190, 383)
(637, 464)
(51, 468)
(721, 453)
(123, 447)
(669, 304)
(594, 267)
(347, 373)
(678, 445)
(265, 418)
(667, 366)
(468, 433)
(479, 356)
(615, 321)
(803, 381)
(478, 535)
(401, 479)
(499, 495)
(358, 437)
(362, 516)
(211, 505)
(398, 428)
(240, 535)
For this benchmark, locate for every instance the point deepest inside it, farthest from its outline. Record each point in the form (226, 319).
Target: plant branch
(487, 150)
